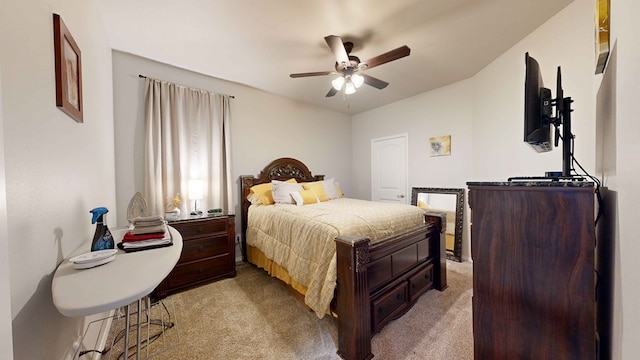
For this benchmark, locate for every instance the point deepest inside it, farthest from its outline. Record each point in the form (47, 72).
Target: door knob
(401, 196)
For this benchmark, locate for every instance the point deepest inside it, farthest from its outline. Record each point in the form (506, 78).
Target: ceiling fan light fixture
(349, 88)
(357, 80)
(337, 83)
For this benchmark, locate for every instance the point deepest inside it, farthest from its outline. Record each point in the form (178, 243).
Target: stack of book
(148, 232)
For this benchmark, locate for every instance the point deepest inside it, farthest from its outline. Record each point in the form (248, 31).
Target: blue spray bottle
(102, 239)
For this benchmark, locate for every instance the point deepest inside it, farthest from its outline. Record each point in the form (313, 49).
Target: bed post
(439, 247)
(353, 307)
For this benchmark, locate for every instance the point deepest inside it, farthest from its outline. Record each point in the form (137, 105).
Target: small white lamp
(196, 187)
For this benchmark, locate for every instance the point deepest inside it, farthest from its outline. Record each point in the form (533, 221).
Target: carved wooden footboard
(376, 283)
(380, 282)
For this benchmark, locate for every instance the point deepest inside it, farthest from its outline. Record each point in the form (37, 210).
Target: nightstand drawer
(201, 228)
(208, 253)
(199, 271)
(204, 247)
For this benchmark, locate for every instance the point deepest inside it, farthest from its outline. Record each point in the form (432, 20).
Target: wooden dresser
(208, 253)
(534, 270)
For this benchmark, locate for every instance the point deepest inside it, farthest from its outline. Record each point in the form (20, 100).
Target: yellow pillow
(263, 192)
(318, 189)
(304, 197)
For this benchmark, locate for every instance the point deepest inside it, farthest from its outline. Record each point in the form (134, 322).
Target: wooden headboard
(279, 169)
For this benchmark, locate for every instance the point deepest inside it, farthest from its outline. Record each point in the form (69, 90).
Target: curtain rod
(231, 96)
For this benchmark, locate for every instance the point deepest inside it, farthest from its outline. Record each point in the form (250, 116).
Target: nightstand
(208, 253)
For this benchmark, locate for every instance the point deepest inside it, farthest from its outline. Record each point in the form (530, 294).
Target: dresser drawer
(201, 228)
(420, 282)
(205, 247)
(199, 271)
(389, 305)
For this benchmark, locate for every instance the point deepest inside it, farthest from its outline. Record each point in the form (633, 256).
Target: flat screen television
(537, 108)
(539, 118)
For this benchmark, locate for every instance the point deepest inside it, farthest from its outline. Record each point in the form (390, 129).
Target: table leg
(138, 330)
(127, 322)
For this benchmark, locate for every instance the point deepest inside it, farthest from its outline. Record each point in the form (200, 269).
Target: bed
(366, 276)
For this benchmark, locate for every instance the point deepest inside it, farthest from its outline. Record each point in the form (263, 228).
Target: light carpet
(254, 316)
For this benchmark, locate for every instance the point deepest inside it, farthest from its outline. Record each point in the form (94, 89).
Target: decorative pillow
(264, 192)
(304, 197)
(317, 188)
(282, 191)
(339, 190)
(331, 189)
(253, 199)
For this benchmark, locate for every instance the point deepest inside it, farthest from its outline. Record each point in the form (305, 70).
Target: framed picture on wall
(68, 64)
(602, 35)
(440, 145)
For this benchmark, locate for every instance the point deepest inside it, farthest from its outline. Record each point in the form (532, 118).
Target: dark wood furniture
(534, 278)
(208, 253)
(376, 283)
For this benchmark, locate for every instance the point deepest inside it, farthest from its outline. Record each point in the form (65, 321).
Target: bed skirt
(258, 258)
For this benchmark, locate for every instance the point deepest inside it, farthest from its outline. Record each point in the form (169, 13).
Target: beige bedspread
(301, 238)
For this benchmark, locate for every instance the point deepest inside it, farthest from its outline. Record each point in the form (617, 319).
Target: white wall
(444, 111)
(565, 40)
(56, 170)
(263, 127)
(620, 117)
(6, 336)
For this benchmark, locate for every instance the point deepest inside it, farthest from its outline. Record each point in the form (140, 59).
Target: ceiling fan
(351, 68)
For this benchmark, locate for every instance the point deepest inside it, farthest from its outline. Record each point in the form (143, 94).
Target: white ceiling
(258, 43)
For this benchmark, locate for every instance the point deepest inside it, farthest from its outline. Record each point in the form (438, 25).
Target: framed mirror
(451, 202)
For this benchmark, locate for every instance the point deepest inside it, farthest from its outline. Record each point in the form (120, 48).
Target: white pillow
(282, 191)
(331, 189)
(301, 200)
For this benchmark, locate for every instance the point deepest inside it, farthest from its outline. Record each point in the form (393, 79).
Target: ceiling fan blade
(337, 47)
(376, 83)
(331, 92)
(388, 56)
(318, 73)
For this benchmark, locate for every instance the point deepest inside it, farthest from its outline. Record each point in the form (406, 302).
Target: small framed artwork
(440, 145)
(602, 35)
(68, 63)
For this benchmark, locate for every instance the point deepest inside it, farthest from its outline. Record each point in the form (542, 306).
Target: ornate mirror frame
(456, 255)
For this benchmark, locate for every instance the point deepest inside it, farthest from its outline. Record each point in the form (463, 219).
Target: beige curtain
(187, 138)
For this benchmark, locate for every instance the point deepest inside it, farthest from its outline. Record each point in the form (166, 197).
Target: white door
(389, 169)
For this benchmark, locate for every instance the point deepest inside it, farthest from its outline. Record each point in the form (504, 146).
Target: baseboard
(96, 333)
(103, 335)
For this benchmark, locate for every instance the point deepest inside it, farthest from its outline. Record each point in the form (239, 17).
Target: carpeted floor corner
(254, 316)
